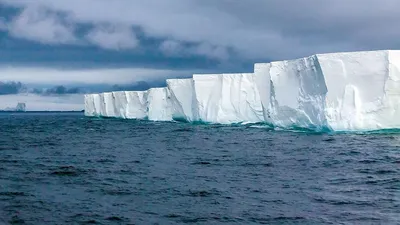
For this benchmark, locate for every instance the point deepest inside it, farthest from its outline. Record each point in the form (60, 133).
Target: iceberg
(21, 107)
(351, 91)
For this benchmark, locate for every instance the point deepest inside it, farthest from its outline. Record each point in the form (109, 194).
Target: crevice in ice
(194, 106)
(272, 100)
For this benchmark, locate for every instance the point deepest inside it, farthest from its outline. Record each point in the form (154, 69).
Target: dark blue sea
(63, 168)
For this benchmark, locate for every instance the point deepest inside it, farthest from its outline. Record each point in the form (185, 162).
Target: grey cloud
(214, 52)
(3, 25)
(59, 90)
(171, 47)
(39, 24)
(12, 87)
(138, 86)
(175, 48)
(54, 76)
(16, 87)
(253, 29)
(113, 37)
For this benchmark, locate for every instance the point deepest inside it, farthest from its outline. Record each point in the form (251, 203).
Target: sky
(51, 52)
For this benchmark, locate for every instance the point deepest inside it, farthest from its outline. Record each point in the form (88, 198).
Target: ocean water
(63, 168)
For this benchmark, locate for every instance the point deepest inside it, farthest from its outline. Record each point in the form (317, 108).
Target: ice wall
(90, 109)
(263, 81)
(183, 99)
(136, 107)
(228, 98)
(121, 103)
(340, 91)
(159, 104)
(207, 89)
(240, 99)
(298, 93)
(363, 89)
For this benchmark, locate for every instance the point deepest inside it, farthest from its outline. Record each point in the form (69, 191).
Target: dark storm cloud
(58, 90)
(8, 88)
(139, 86)
(253, 29)
(63, 90)
(16, 87)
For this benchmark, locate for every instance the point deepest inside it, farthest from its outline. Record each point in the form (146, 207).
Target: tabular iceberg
(340, 91)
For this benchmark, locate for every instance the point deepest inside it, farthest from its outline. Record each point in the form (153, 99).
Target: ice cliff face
(182, 99)
(228, 98)
(340, 91)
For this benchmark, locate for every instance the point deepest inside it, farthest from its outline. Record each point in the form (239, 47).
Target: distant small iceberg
(21, 107)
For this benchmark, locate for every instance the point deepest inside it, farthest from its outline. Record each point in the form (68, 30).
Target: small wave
(279, 219)
(67, 171)
(116, 192)
(105, 161)
(201, 163)
(127, 171)
(183, 130)
(344, 202)
(89, 222)
(194, 220)
(368, 161)
(377, 172)
(257, 164)
(383, 181)
(210, 219)
(202, 193)
(329, 139)
(12, 193)
(7, 148)
(16, 220)
(114, 218)
(8, 161)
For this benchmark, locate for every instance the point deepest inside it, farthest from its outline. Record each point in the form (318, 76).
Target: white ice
(159, 104)
(341, 91)
(183, 99)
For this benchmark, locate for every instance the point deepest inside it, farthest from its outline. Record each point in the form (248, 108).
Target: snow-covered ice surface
(353, 91)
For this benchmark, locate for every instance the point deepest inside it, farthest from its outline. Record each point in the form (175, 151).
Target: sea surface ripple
(63, 168)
